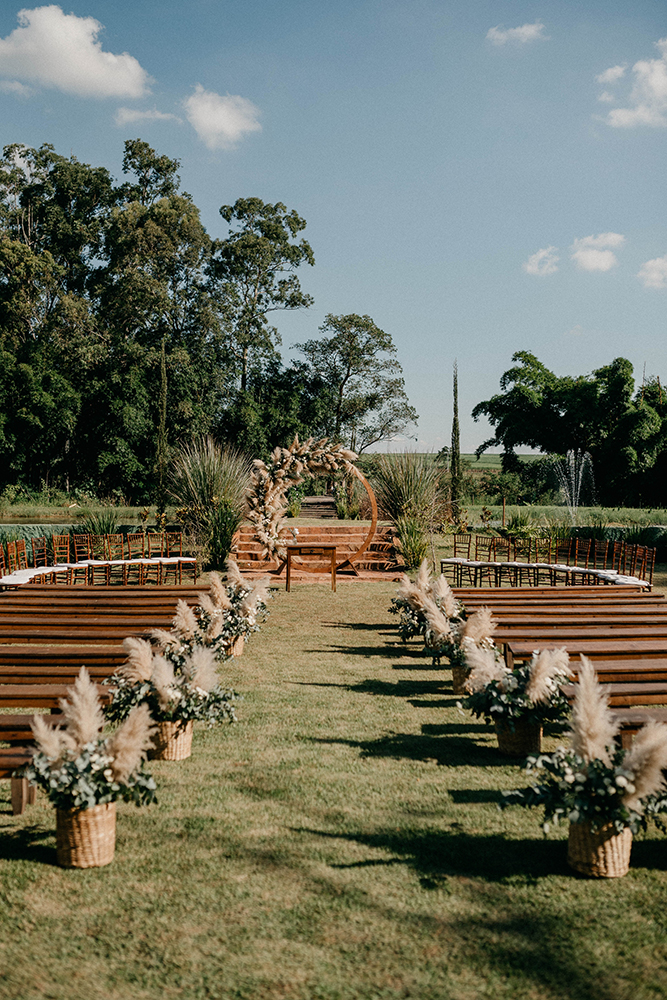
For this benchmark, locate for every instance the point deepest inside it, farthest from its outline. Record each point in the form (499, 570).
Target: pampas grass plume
(202, 669)
(646, 759)
(438, 623)
(48, 738)
(442, 593)
(128, 745)
(423, 578)
(163, 680)
(139, 663)
(185, 622)
(218, 592)
(208, 605)
(546, 665)
(484, 668)
(593, 725)
(163, 639)
(480, 625)
(82, 712)
(234, 575)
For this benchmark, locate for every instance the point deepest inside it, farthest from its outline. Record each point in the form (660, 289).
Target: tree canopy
(624, 431)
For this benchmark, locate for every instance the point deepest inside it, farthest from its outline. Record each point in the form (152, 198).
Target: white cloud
(61, 50)
(16, 88)
(592, 253)
(526, 33)
(648, 97)
(653, 274)
(126, 116)
(611, 75)
(606, 97)
(543, 262)
(221, 121)
(576, 331)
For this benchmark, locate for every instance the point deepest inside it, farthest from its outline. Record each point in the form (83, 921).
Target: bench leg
(23, 794)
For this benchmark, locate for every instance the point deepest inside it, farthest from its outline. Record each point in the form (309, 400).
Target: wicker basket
(526, 738)
(236, 648)
(172, 741)
(459, 677)
(86, 838)
(603, 854)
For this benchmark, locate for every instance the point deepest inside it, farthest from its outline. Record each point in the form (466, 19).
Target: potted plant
(84, 773)
(176, 690)
(518, 702)
(604, 792)
(224, 618)
(457, 638)
(414, 598)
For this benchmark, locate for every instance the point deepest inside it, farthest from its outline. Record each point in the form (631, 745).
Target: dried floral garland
(287, 467)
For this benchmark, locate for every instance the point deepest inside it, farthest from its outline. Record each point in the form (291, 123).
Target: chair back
(484, 545)
(115, 547)
(462, 546)
(21, 554)
(81, 548)
(97, 547)
(3, 562)
(136, 545)
(11, 557)
(60, 548)
(39, 555)
(173, 544)
(600, 547)
(155, 541)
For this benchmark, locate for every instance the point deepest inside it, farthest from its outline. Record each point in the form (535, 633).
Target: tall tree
(254, 273)
(358, 364)
(455, 474)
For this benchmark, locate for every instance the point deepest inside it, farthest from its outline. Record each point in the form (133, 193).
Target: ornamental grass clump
(78, 767)
(179, 690)
(517, 702)
(415, 596)
(604, 792)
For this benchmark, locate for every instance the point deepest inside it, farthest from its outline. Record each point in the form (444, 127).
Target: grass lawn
(343, 842)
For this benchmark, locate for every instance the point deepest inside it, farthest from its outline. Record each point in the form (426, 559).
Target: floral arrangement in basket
(415, 596)
(604, 792)
(457, 638)
(83, 771)
(230, 612)
(518, 702)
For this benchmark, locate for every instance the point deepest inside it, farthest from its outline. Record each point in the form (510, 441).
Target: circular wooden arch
(303, 567)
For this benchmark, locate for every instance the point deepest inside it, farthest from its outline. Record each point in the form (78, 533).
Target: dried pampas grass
(484, 668)
(443, 594)
(163, 681)
(544, 666)
(185, 621)
(139, 663)
(128, 745)
(593, 725)
(234, 576)
(646, 760)
(423, 578)
(82, 713)
(51, 741)
(201, 668)
(481, 625)
(415, 597)
(162, 639)
(208, 605)
(218, 592)
(437, 622)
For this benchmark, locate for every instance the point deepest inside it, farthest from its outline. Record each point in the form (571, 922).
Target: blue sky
(479, 177)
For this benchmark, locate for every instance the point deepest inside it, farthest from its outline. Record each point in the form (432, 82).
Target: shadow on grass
(543, 948)
(382, 628)
(387, 651)
(436, 855)
(24, 844)
(453, 752)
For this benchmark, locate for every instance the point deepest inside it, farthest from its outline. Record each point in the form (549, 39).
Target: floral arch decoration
(287, 467)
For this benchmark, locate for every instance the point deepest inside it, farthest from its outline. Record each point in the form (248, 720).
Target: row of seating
(623, 630)
(622, 558)
(84, 558)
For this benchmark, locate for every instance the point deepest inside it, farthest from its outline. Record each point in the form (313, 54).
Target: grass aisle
(341, 843)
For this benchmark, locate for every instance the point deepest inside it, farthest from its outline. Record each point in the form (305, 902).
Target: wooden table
(311, 550)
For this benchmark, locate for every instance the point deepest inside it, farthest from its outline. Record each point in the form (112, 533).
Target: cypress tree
(455, 454)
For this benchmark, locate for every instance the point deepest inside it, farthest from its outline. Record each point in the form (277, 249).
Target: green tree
(455, 472)
(254, 273)
(358, 364)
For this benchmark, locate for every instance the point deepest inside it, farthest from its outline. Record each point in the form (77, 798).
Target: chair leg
(23, 794)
